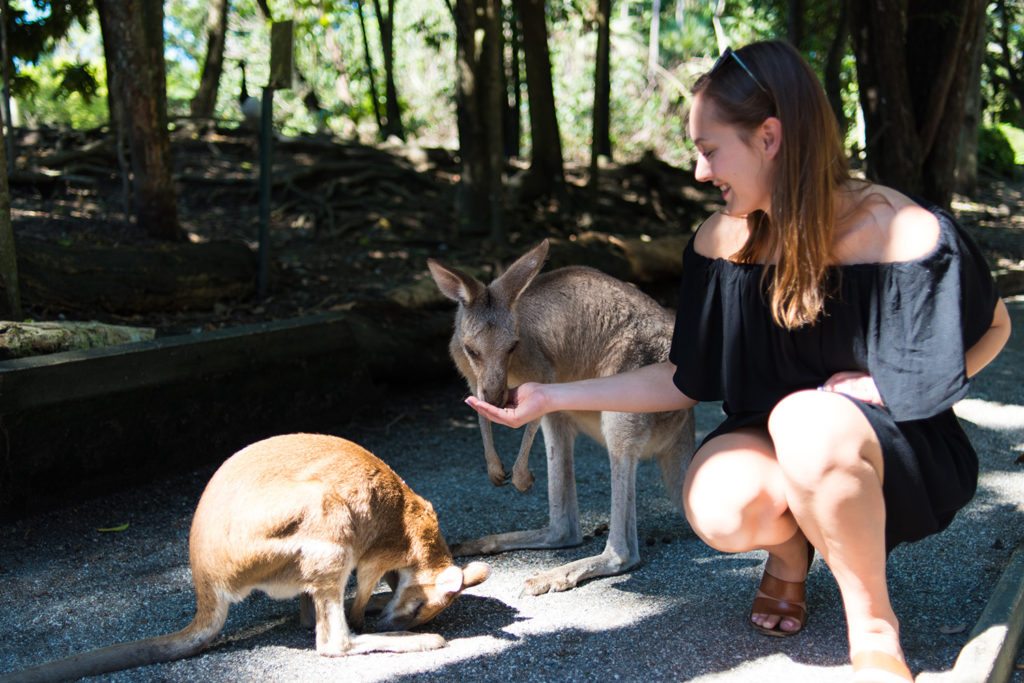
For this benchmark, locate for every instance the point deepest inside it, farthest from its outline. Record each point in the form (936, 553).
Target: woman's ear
(771, 136)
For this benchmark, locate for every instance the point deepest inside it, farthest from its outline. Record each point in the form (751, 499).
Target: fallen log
(19, 340)
(128, 279)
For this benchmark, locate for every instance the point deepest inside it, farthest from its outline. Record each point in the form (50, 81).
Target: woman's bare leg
(831, 463)
(735, 500)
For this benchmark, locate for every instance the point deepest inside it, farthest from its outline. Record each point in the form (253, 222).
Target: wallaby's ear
(475, 573)
(454, 284)
(521, 273)
(454, 579)
(449, 580)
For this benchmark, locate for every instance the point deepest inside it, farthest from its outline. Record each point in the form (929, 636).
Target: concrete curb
(991, 650)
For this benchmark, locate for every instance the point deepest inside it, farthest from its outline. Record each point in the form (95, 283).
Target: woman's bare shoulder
(885, 226)
(721, 236)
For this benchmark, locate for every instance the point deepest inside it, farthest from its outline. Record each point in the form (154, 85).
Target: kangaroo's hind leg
(622, 551)
(563, 529)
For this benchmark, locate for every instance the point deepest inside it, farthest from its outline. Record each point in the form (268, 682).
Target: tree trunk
(136, 37)
(834, 67)
(495, 101)
(967, 152)
(479, 104)
(10, 306)
(368, 58)
(513, 113)
(205, 100)
(913, 59)
(5, 90)
(795, 23)
(392, 109)
(653, 39)
(546, 173)
(601, 144)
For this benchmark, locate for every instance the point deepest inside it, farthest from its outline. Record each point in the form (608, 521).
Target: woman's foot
(780, 607)
(875, 666)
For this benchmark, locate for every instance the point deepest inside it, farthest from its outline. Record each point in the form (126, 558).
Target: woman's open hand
(858, 385)
(526, 403)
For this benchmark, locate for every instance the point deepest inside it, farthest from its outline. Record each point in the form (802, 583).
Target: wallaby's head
(486, 324)
(420, 595)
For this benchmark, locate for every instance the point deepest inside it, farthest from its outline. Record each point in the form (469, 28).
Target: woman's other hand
(526, 403)
(858, 385)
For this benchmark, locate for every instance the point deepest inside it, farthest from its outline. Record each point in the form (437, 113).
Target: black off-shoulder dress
(907, 324)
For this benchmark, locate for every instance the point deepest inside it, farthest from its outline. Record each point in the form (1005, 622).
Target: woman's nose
(703, 171)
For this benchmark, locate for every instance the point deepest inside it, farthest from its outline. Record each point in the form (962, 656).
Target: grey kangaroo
(569, 324)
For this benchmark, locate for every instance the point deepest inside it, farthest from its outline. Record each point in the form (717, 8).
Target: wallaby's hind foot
(570, 575)
(532, 539)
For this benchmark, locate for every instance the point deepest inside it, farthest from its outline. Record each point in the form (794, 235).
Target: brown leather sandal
(872, 666)
(785, 599)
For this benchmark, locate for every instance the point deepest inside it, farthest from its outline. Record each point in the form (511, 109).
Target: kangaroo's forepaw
(522, 480)
(497, 475)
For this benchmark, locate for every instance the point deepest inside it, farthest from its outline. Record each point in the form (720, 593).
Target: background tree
(10, 307)
(392, 109)
(914, 60)
(133, 34)
(480, 110)
(546, 173)
(205, 99)
(601, 144)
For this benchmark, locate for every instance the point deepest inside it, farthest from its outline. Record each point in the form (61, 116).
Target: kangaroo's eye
(515, 345)
(472, 353)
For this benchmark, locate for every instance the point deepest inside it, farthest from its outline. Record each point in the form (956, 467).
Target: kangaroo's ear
(454, 284)
(521, 273)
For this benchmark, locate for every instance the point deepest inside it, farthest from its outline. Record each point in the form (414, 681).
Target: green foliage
(63, 81)
(1015, 136)
(995, 154)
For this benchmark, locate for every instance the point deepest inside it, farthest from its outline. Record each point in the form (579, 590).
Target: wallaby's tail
(188, 641)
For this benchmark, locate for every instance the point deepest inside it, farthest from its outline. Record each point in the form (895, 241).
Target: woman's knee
(816, 433)
(728, 499)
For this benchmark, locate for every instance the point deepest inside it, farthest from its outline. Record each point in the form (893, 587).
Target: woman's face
(740, 168)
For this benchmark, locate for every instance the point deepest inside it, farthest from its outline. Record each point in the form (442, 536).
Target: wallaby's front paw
(429, 641)
(333, 649)
(522, 480)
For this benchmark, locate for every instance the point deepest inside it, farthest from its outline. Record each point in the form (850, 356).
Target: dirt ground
(352, 221)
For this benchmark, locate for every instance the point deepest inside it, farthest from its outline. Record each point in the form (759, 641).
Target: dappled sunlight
(990, 414)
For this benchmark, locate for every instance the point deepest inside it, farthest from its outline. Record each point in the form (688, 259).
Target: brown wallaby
(569, 324)
(296, 514)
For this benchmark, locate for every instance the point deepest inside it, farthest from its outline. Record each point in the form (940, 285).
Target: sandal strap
(780, 608)
(783, 591)
(880, 662)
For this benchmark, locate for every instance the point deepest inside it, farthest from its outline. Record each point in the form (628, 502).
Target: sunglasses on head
(725, 57)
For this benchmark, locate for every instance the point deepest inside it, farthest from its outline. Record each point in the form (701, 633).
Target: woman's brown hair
(772, 79)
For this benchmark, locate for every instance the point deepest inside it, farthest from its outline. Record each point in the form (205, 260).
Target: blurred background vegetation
(61, 79)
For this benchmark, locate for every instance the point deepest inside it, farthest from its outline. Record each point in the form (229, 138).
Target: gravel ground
(67, 586)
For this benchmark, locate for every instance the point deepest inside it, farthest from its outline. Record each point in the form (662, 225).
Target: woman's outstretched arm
(645, 390)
